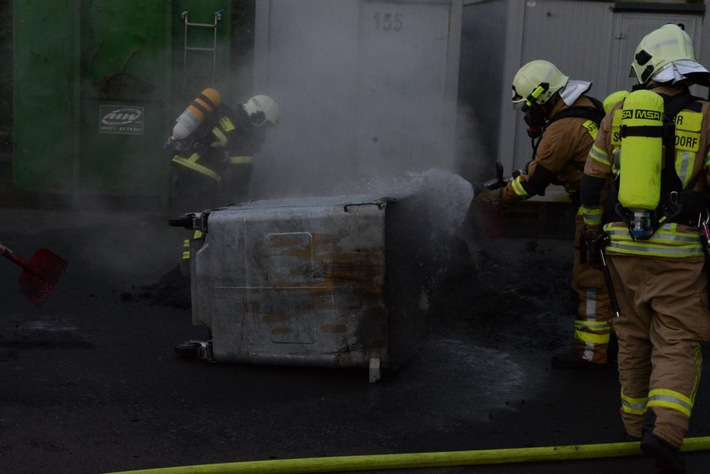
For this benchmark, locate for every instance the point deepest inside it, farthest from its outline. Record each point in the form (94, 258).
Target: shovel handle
(13, 257)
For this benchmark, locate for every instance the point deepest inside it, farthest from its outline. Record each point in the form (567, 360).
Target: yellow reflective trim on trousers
(193, 165)
(592, 216)
(597, 154)
(186, 244)
(186, 249)
(665, 242)
(590, 307)
(591, 338)
(518, 188)
(241, 160)
(596, 326)
(663, 397)
(634, 406)
(592, 332)
(707, 160)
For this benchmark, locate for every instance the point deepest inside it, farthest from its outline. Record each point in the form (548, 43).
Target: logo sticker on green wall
(120, 120)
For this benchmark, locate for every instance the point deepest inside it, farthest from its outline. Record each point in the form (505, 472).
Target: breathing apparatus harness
(537, 121)
(674, 202)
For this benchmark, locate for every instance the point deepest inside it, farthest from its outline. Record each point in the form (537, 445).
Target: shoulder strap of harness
(594, 113)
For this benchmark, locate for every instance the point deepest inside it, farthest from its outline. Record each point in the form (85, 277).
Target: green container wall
(45, 111)
(93, 92)
(125, 70)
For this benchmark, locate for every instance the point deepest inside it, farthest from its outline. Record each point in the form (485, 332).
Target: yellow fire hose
(421, 460)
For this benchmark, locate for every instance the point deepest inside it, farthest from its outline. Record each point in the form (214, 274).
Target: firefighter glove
(489, 200)
(589, 246)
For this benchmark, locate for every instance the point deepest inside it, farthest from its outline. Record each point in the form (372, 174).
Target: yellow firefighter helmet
(658, 49)
(536, 82)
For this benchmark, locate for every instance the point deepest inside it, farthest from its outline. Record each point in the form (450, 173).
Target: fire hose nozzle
(193, 220)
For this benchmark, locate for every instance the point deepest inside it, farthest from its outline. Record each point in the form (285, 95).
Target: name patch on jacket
(687, 130)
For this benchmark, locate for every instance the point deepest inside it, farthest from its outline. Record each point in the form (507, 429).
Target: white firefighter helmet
(536, 82)
(262, 109)
(659, 48)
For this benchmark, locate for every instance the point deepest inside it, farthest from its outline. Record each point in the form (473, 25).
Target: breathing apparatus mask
(534, 114)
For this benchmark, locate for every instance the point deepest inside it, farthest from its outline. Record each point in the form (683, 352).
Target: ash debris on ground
(172, 289)
(519, 295)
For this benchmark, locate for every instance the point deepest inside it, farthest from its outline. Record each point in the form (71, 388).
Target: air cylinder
(195, 113)
(641, 158)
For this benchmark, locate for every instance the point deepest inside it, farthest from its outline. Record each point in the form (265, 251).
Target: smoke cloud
(362, 93)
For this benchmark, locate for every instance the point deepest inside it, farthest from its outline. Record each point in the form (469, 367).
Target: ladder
(205, 49)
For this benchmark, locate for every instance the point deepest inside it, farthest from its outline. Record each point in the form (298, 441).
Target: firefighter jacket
(559, 157)
(227, 139)
(675, 238)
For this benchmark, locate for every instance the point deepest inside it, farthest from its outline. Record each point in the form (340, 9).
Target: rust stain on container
(333, 328)
(275, 318)
(285, 241)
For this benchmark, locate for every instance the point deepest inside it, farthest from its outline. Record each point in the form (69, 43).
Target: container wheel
(189, 349)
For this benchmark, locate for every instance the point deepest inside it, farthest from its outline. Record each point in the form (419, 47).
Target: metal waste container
(327, 281)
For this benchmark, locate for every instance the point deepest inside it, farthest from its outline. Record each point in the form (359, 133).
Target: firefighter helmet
(536, 82)
(262, 109)
(659, 48)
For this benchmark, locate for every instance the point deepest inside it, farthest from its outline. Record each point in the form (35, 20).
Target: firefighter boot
(664, 455)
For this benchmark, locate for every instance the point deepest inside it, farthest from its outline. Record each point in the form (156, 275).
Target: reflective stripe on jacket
(192, 163)
(667, 241)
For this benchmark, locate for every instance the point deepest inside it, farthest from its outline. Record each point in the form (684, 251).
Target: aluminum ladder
(206, 49)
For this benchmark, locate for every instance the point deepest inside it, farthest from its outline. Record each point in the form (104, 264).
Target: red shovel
(41, 273)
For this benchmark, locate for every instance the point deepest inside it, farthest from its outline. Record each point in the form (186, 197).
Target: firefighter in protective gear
(569, 119)
(213, 164)
(660, 278)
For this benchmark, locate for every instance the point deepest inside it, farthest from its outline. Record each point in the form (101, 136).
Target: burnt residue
(172, 289)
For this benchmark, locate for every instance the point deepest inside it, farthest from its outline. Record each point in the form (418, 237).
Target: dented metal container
(328, 281)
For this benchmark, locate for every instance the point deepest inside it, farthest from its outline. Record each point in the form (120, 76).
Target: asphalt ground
(91, 383)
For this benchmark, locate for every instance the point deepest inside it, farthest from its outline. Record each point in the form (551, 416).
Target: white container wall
(367, 91)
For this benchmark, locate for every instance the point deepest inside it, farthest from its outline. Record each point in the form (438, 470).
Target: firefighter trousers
(663, 319)
(591, 326)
